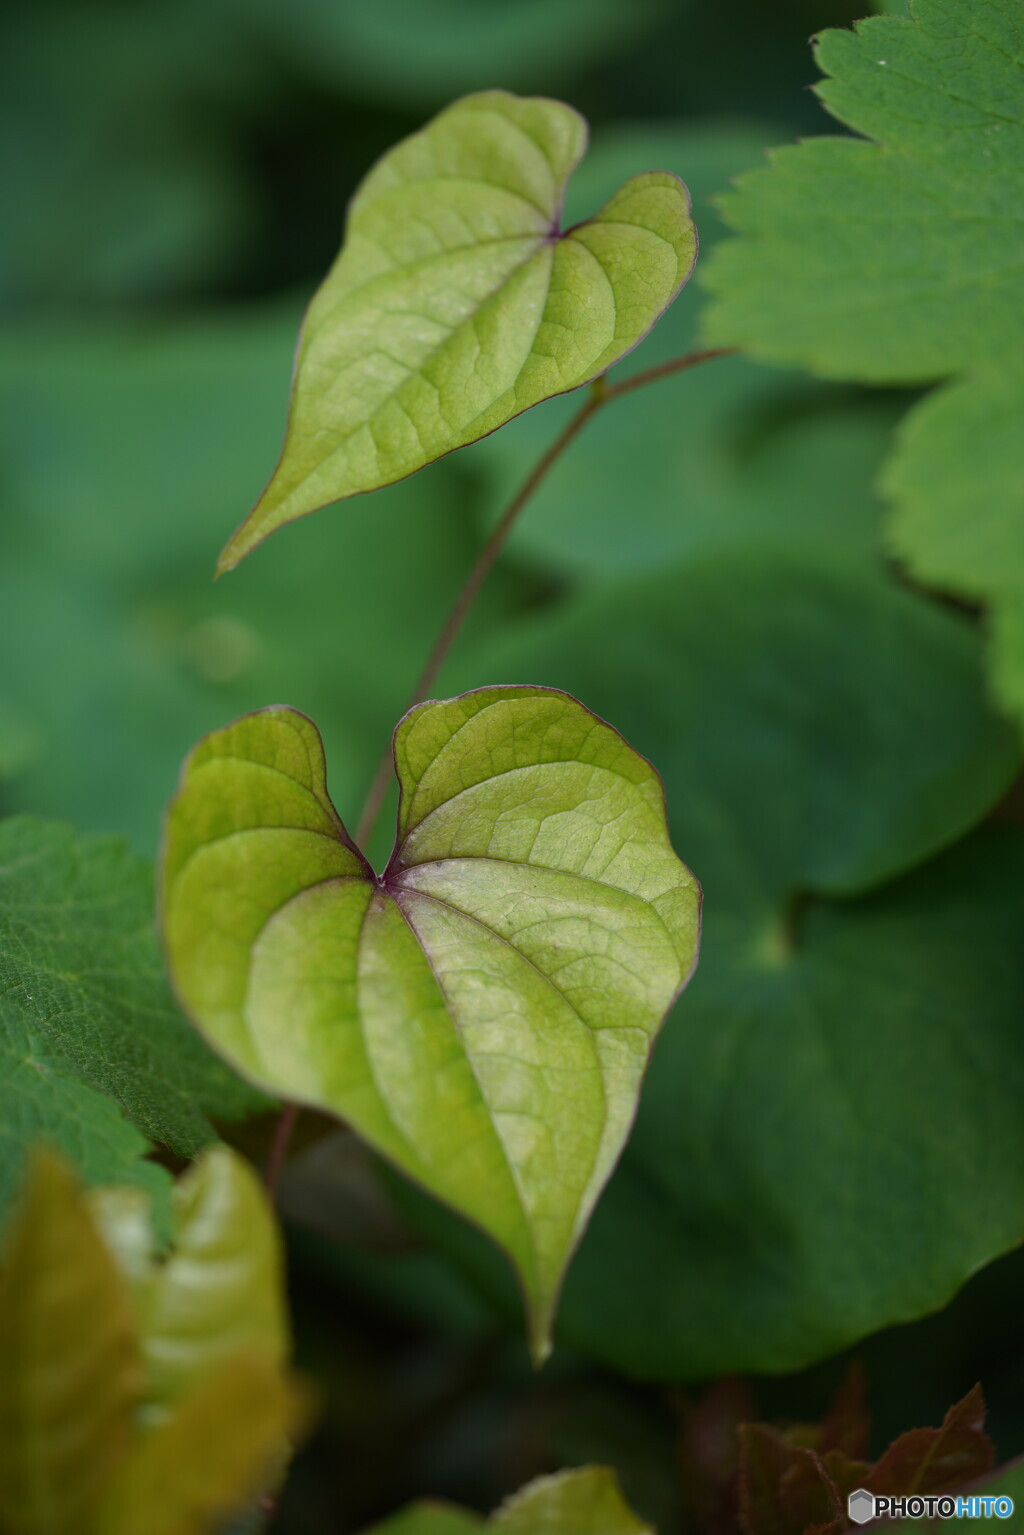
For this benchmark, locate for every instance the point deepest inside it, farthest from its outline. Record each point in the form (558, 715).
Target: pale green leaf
(457, 302)
(846, 1071)
(483, 1013)
(587, 1501)
(124, 1215)
(430, 1519)
(223, 1445)
(584, 1502)
(898, 260)
(88, 1026)
(70, 1375)
(220, 1290)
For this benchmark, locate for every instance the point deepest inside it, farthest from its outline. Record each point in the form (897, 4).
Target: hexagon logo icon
(860, 1506)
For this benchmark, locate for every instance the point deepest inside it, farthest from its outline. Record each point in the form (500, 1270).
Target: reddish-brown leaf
(937, 1459)
(847, 1424)
(784, 1488)
(709, 1454)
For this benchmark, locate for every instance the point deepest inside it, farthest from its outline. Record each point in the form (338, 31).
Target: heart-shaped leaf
(457, 302)
(482, 1013)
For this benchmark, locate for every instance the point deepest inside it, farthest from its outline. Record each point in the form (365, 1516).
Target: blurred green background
(175, 175)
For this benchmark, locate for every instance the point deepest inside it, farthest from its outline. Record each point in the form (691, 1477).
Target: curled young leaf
(483, 1012)
(220, 1291)
(457, 301)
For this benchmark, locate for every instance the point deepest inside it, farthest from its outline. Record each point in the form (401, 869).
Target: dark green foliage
(92, 1041)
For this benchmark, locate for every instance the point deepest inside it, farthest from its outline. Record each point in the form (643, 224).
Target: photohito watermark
(862, 1506)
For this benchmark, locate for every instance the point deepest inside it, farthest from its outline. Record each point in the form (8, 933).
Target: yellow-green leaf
(225, 1443)
(458, 301)
(483, 1013)
(219, 1291)
(69, 1370)
(584, 1502)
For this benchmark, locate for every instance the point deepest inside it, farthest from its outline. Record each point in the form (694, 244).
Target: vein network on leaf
(457, 302)
(483, 1012)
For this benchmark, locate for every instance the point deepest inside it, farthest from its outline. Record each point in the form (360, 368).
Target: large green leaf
(118, 189)
(457, 302)
(70, 1376)
(583, 1502)
(897, 261)
(85, 1011)
(483, 1013)
(408, 51)
(829, 1139)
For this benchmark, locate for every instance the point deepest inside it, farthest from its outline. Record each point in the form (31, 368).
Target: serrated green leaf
(457, 302)
(956, 480)
(42, 1098)
(587, 1501)
(85, 1011)
(220, 1290)
(223, 1445)
(897, 260)
(483, 1013)
(892, 261)
(584, 1502)
(846, 1074)
(70, 1375)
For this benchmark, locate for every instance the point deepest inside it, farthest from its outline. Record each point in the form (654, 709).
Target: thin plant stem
(600, 394)
(279, 1147)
